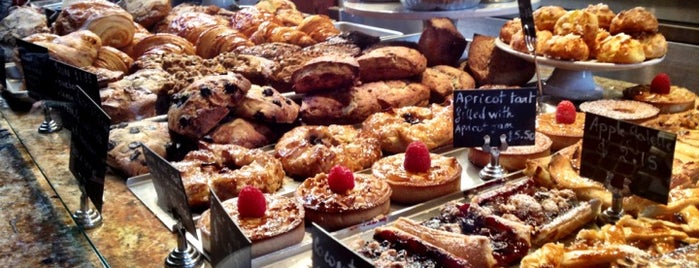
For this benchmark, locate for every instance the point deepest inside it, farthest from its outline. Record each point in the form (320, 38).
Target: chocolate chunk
(268, 92)
(205, 91)
(134, 130)
(230, 88)
(277, 102)
(134, 144)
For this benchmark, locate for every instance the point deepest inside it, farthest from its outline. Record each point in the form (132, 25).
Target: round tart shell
(515, 157)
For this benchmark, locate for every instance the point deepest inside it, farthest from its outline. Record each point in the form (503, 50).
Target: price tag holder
(526, 15)
(328, 252)
(88, 146)
(229, 246)
(3, 72)
(494, 112)
(170, 189)
(67, 79)
(643, 155)
(37, 70)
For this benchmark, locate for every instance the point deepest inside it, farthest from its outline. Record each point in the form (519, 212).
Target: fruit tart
(564, 127)
(663, 95)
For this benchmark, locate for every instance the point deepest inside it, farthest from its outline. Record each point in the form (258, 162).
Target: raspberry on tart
(418, 175)
(564, 126)
(281, 224)
(662, 94)
(369, 198)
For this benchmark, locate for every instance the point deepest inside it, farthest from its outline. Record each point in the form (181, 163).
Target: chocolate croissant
(162, 43)
(219, 39)
(111, 23)
(113, 59)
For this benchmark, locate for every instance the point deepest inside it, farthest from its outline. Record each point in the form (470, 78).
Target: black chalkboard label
(170, 189)
(328, 252)
(3, 72)
(643, 155)
(526, 15)
(37, 70)
(494, 112)
(229, 246)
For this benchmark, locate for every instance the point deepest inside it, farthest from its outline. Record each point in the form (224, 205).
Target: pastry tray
(142, 187)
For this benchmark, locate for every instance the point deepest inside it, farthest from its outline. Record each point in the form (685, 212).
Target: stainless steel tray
(142, 187)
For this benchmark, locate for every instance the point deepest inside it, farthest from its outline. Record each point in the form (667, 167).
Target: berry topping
(251, 202)
(417, 157)
(340, 179)
(565, 112)
(660, 84)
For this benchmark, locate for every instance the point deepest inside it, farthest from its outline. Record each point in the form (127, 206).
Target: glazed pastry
(308, 150)
(190, 25)
(219, 39)
(148, 12)
(391, 62)
(269, 32)
(564, 126)
(162, 43)
(113, 59)
(110, 22)
(284, 10)
(125, 140)
(662, 94)
(398, 127)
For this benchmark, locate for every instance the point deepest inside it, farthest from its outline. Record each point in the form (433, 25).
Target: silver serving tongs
(530, 41)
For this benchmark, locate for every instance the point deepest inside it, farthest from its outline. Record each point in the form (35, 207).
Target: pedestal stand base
(188, 258)
(491, 172)
(572, 85)
(88, 219)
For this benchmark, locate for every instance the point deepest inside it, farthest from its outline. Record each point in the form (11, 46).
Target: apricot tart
(679, 99)
(281, 225)
(515, 157)
(564, 127)
(366, 198)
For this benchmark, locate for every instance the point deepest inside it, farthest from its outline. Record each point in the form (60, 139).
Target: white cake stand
(573, 79)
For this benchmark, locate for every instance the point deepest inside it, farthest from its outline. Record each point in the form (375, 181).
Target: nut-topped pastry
(663, 95)
(418, 175)
(564, 127)
(271, 222)
(340, 198)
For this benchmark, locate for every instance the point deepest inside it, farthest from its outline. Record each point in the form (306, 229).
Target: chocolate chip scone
(264, 103)
(124, 152)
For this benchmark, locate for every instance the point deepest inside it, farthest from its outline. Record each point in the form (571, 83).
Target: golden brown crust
(545, 17)
(515, 157)
(318, 27)
(628, 110)
(566, 47)
(391, 62)
(369, 198)
(148, 12)
(226, 169)
(679, 99)
(398, 127)
(162, 43)
(109, 21)
(281, 226)
(125, 103)
(561, 135)
(634, 21)
(621, 48)
(125, 140)
(578, 22)
(335, 71)
(246, 133)
(443, 177)
(603, 12)
(79, 48)
(191, 24)
(509, 29)
(218, 39)
(444, 79)
(654, 45)
(113, 59)
(518, 43)
(308, 150)
(264, 103)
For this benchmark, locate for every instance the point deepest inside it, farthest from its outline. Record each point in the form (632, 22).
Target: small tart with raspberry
(369, 198)
(561, 135)
(679, 99)
(515, 157)
(443, 177)
(281, 226)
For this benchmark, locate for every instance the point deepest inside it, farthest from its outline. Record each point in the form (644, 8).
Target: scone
(264, 103)
(125, 140)
(444, 79)
(340, 198)
(418, 175)
(243, 132)
(515, 157)
(279, 225)
(333, 71)
(391, 62)
(564, 126)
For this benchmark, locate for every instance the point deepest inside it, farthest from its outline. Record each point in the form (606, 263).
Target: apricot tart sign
(494, 112)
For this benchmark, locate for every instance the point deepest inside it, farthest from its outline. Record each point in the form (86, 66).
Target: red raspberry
(340, 179)
(660, 84)
(251, 202)
(417, 157)
(565, 112)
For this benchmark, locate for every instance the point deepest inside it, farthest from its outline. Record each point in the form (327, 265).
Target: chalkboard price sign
(37, 70)
(88, 146)
(327, 252)
(229, 246)
(494, 112)
(643, 155)
(169, 188)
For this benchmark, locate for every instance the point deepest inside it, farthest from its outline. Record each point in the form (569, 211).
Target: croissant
(285, 10)
(269, 32)
(191, 24)
(318, 27)
(162, 43)
(247, 20)
(77, 48)
(219, 39)
(110, 22)
(113, 59)
(148, 12)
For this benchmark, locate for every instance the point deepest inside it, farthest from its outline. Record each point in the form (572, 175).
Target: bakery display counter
(395, 10)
